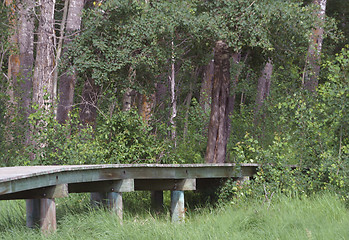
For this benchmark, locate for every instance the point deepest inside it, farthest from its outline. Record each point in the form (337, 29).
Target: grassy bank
(319, 217)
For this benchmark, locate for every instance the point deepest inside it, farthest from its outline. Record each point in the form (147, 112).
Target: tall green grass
(317, 217)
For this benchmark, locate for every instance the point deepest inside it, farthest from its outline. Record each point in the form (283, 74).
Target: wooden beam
(57, 191)
(177, 206)
(48, 222)
(208, 184)
(165, 184)
(16, 179)
(123, 185)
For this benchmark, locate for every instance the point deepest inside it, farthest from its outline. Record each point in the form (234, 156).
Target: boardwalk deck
(49, 182)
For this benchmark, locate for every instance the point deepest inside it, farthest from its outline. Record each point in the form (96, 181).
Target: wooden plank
(124, 185)
(16, 173)
(165, 184)
(48, 222)
(57, 191)
(177, 206)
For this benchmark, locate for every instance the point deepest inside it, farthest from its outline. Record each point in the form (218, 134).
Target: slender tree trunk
(59, 49)
(68, 79)
(218, 127)
(232, 95)
(160, 93)
(187, 106)
(129, 93)
(173, 97)
(312, 68)
(263, 88)
(44, 62)
(206, 87)
(13, 61)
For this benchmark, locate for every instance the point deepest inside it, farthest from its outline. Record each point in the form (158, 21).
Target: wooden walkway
(40, 185)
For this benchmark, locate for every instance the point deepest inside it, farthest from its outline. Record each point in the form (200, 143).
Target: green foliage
(56, 144)
(191, 147)
(126, 138)
(310, 131)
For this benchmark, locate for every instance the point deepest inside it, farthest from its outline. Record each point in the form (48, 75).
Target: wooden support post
(107, 189)
(157, 200)
(98, 199)
(177, 206)
(33, 212)
(115, 203)
(48, 222)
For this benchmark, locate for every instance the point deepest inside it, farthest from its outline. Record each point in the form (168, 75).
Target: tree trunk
(173, 97)
(13, 61)
(232, 96)
(26, 54)
(145, 106)
(59, 50)
(187, 109)
(68, 79)
(44, 62)
(206, 86)
(218, 127)
(263, 87)
(26, 58)
(127, 98)
(160, 94)
(312, 68)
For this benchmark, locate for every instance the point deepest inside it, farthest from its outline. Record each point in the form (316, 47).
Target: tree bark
(67, 79)
(13, 61)
(160, 94)
(263, 87)
(187, 109)
(26, 54)
(218, 127)
(173, 97)
(21, 60)
(129, 94)
(312, 68)
(59, 49)
(206, 86)
(145, 106)
(44, 62)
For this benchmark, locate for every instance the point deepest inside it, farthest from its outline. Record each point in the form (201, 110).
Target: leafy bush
(127, 139)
